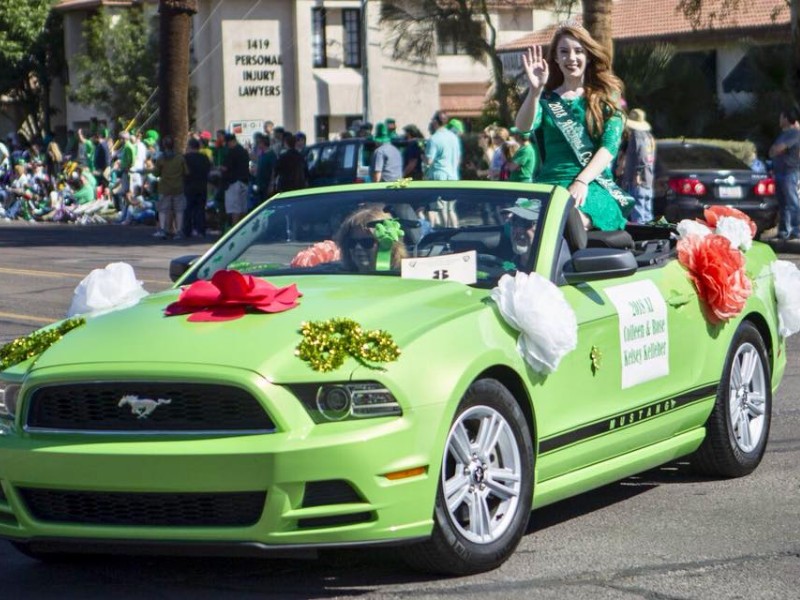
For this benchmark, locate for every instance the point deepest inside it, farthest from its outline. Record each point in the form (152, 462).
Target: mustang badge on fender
(142, 407)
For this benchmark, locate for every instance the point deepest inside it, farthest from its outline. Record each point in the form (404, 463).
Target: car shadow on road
(678, 472)
(335, 573)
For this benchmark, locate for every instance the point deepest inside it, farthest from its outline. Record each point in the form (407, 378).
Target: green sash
(578, 140)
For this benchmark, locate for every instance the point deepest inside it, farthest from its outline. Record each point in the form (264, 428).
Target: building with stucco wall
(311, 65)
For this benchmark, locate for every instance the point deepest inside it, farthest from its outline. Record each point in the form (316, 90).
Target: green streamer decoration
(326, 344)
(23, 348)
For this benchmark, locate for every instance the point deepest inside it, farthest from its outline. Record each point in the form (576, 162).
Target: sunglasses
(367, 243)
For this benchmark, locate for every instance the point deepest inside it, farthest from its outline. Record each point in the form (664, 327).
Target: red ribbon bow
(228, 296)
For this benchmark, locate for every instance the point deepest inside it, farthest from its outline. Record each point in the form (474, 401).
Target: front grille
(145, 509)
(179, 407)
(332, 491)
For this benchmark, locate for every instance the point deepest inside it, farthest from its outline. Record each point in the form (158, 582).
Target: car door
(633, 363)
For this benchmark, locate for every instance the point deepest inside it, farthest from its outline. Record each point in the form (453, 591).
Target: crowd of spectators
(138, 177)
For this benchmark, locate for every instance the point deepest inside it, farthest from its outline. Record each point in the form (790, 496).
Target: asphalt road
(663, 535)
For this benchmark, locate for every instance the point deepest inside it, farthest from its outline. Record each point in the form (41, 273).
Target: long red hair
(602, 88)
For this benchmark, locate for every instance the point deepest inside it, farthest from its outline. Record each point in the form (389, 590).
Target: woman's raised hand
(536, 68)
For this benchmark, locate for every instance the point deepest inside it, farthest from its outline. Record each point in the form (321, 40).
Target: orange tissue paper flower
(713, 214)
(321, 252)
(717, 271)
(228, 296)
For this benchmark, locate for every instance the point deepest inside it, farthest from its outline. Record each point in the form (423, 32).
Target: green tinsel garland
(21, 349)
(326, 344)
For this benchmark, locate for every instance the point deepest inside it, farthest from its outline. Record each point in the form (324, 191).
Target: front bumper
(280, 464)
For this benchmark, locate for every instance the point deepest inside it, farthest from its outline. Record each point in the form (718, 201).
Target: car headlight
(342, 401)
(8, 400)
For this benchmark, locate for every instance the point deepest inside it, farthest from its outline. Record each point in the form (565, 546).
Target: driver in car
(523, 217)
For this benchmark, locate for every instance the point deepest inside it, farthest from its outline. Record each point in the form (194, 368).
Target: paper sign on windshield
(460, 267)
(643, 335)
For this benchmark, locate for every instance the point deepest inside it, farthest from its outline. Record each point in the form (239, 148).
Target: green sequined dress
(560, 166)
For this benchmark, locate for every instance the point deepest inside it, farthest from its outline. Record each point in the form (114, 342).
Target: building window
(318, 40)
(453, 37)
(322, 127)
(352, 37)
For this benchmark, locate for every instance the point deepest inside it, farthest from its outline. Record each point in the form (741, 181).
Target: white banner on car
(643, 333)
(460, 267)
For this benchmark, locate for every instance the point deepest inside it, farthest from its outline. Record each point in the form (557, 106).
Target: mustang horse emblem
(142, 407)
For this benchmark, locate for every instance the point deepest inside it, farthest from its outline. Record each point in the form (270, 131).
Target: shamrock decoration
(400, 183)
(23, 348)
(326, 344)
(597, 358)
(387, 232)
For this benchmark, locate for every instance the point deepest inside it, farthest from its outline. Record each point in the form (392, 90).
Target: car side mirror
(179, 266)
(591, 264)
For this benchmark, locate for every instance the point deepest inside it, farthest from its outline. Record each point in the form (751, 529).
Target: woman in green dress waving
(574, 105)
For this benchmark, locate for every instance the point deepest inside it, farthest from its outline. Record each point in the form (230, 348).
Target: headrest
(574, 231)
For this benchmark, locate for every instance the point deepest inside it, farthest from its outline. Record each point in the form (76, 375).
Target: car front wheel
(485, 486)
(738, 427)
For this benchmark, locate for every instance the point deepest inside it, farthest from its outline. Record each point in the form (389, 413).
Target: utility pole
(365, 60)
(175, 23)
(794, 13)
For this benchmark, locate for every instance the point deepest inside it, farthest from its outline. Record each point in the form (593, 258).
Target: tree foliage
(31, 54)
(117, 72)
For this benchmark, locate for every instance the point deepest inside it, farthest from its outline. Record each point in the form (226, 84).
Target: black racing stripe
(624, 419)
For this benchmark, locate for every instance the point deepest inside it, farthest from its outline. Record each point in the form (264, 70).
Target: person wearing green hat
(387, 162)
(456, 126)
(523, 162)
(391, 127)
(522, 219)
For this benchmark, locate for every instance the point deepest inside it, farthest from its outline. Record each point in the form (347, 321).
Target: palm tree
(173, 73)
(597, 20)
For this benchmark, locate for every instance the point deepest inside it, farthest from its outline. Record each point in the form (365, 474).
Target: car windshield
(421, 232)
(680, 158)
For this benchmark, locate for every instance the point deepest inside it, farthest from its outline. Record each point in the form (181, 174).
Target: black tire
(721, 453)
(449, 551)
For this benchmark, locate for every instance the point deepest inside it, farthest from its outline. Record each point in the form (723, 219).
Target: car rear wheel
(738, 427)
(485, 486)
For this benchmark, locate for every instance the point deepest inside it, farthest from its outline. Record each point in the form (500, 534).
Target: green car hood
(263, 343)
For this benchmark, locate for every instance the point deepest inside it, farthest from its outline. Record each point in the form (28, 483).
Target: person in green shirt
(83, 192)
(85, 150)
(523, 163)
(126, 159)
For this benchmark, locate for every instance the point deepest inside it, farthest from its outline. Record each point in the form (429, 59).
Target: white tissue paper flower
(737, 231)
(787, 292)
(536, 308)
(689, 227)
(107, 289)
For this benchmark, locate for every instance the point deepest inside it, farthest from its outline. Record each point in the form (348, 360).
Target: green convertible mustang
(417, 363)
